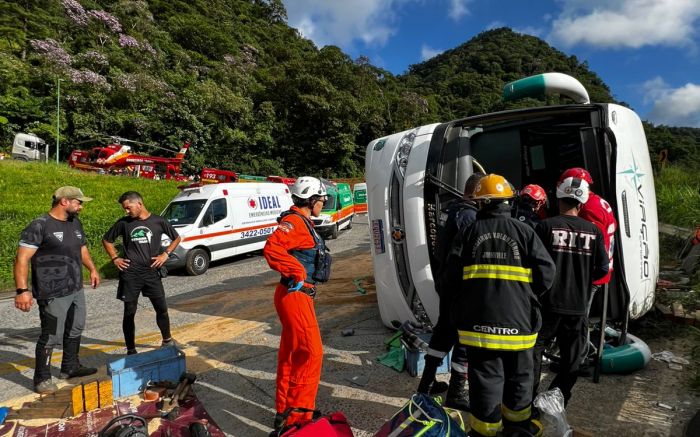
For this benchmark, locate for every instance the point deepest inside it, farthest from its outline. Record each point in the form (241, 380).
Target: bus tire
(197, 262)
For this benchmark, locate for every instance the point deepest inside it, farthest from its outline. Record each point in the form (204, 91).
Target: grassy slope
(677, 196)
(25, 193)
(26, 190)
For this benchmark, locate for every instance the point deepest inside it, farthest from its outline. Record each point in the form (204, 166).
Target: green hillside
(247, 90)
(26, 194)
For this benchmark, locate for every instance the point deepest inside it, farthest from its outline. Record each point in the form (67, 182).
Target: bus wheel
(197, 262)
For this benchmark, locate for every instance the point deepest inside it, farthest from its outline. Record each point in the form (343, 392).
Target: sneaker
(80, 371)
(44, 387)
(131, 352)
(169, 342)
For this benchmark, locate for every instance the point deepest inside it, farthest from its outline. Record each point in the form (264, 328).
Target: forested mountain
(233, 78)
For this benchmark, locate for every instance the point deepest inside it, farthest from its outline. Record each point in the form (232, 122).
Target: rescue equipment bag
(329, 425)
(421, 416)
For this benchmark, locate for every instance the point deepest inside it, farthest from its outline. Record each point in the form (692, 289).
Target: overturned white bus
(413, 175)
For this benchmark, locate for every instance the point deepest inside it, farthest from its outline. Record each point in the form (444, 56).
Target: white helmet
(307, 186)
(573, 188)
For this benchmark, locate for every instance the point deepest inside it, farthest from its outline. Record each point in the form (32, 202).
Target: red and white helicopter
(118, 158)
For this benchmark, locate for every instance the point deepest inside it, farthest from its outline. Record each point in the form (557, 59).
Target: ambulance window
(330, 204)
(217, 211)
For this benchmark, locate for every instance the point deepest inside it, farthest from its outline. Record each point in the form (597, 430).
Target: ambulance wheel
(334, 232)
(197, 262)
(349, 224)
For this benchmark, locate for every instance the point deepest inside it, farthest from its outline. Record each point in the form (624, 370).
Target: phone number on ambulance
(257, 232)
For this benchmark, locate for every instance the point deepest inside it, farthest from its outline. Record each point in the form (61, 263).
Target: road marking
(214, 329)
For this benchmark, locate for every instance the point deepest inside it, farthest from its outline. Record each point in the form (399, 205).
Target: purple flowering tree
(88, 77)
(95, 58)
(75, 12)
(128, 41)
(52, 51)
(107, 19)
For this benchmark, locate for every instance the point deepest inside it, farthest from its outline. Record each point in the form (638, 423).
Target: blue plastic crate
(415, 359)
(131, 373)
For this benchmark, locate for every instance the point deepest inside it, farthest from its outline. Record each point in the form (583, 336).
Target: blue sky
(647, 51)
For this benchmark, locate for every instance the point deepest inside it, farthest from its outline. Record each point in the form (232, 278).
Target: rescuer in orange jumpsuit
(292, 251)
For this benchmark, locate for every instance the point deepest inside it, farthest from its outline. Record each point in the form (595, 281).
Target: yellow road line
(181, 333)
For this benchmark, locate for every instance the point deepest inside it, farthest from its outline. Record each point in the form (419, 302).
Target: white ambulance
(428, 166)
(222, 220)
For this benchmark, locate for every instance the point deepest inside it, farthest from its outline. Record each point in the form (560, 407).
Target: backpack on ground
(422, 416)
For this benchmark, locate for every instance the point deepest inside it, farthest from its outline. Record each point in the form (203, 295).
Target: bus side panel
(636, 209)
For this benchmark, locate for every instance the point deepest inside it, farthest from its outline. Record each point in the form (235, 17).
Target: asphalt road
(215, 316)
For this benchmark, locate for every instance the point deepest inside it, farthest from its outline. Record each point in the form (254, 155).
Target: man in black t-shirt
(56, 247)
(578, 250)
(140, 265)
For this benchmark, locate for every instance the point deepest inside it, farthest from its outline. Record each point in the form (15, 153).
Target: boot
(457, 393)
(527, 428)
(42, 368)
(70, 365)
(277, 425)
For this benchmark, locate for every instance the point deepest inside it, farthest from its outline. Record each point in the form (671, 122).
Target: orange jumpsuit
(301, 352)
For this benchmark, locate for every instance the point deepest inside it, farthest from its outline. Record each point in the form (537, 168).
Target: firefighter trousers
(300, 354)
(444, 338)
(571, 334)
(500, 388)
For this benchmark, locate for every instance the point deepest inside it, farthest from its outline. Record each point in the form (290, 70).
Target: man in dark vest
(56, 247)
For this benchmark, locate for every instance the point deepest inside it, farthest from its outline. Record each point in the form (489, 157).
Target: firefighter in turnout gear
(498, 267)
(292, 250)
(458, 216)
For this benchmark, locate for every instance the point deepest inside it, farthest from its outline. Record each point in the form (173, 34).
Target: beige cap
(69, 192)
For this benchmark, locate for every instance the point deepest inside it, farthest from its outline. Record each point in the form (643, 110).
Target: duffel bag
(329, 425)
(421, 416)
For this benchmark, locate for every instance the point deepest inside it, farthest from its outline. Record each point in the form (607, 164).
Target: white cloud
(627, 23)
(341, 22)
(427, 52)
(673, 106)
(458, 9)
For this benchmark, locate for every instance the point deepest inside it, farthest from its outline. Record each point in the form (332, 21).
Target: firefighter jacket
(292, 237)
(498, 267)
(455, 218)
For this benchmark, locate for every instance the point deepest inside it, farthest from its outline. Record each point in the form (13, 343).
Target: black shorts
(147, 283)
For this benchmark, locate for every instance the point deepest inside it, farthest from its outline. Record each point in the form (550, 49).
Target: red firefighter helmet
(577, 172)
(534, 195)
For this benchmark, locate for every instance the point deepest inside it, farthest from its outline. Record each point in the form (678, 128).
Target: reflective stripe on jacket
(498, 268)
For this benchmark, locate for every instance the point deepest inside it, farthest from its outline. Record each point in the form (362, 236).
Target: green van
(337, 212)
(359, 192)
